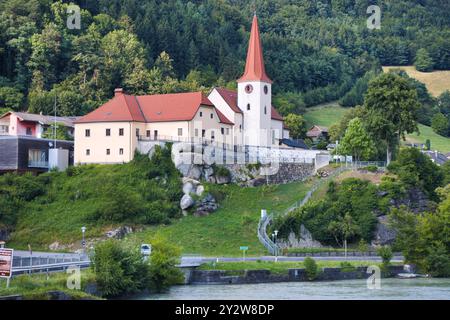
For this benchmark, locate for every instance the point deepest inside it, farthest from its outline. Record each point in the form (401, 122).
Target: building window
(228, 131)
(87, 133)
(37, 158)
(203, 133)
(108, 152)
(240, 127)
(108, 132)
(196, 132)
(212, 116)
(201, 114)
(248, 106)
(212, 135)
(249, 88)
(180, 131)
(222, 130)
(29, 131)
(121, 132)
(88, 152)
(273, 136)
(265, 110)
(137, 132)
(148, 133)
(4, 129)
(266, 89)
(121, 151)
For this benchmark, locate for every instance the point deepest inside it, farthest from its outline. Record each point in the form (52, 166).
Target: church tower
(255, 93)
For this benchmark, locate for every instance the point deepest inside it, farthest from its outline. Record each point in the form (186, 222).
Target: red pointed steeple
(254, 66)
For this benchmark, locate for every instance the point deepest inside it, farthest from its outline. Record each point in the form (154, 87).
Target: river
(391, 289)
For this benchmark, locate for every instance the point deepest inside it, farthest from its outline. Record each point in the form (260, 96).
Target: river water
(391, 289)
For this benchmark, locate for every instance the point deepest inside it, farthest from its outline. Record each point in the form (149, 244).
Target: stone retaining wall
(205, 277)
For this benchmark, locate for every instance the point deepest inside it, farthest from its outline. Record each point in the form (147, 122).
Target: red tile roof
(151, 108)
(276, 115)
(254, 66)
(230, 98)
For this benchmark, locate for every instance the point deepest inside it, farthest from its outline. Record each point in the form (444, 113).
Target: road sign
(6, 261)
(243, 249)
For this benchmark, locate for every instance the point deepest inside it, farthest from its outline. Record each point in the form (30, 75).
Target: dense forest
(315, 51)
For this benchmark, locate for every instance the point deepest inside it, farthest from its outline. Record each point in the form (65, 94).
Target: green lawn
(324, 115)
(233, 225)
(36, 286)
(438, 142)
(329, 114)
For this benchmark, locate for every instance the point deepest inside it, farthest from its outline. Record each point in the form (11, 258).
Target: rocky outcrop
(383, 233)
(303, 240)
(249, 174)
(119, 233)
(205, 206)
(186, 202)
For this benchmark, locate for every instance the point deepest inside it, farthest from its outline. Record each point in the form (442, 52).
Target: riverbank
(216, 277)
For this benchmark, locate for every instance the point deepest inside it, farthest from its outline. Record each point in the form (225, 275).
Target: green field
(233, 225)
(324, 115)
(329, 114)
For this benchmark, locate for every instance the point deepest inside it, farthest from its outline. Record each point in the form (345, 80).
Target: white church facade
(112, 132)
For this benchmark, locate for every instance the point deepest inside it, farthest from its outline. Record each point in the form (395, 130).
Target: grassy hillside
(436, 82)
(233, 225)
(326, 115)
(54, 206)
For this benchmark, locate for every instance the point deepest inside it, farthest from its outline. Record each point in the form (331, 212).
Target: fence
(30, 264)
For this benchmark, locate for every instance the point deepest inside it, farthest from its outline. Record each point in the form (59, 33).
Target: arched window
(248, 106)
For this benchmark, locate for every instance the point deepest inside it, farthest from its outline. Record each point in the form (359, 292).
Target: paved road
(193, 260)
(196, 260)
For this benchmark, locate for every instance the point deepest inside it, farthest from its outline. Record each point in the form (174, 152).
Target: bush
(119, 270)
(311, 268)
(221, 171)
(163, 261)
(385, 253)
(371, 168)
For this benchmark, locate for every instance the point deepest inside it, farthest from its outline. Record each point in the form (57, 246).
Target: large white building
(111, 133)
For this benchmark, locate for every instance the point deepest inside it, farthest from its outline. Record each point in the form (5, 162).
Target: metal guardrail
(271, 246)
(30, 264)
(50, 267)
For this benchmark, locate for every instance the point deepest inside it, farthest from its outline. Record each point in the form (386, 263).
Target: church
(112, 132)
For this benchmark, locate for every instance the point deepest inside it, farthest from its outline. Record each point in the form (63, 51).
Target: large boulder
(223, 179)
(188, 188)
(119, 233)
(186, 202)
(208, 171)
(199, 191)
(195, 172)
(206, 206)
